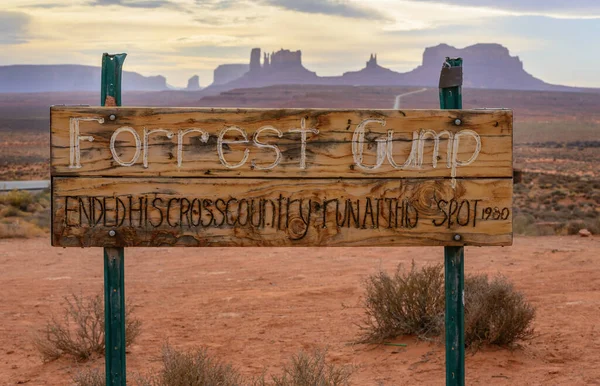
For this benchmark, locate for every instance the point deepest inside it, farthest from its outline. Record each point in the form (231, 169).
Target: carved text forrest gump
(384, 146)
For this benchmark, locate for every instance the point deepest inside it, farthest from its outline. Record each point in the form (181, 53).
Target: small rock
(585, 233)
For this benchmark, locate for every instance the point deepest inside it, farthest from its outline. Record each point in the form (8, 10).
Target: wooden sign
(233, 177)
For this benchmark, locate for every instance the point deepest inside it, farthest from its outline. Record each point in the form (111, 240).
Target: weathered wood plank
(274, 212)
(184, 142)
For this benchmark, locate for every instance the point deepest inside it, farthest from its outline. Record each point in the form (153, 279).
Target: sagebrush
(407, 303)
(80, 331)
(412, 303)
(495, 313)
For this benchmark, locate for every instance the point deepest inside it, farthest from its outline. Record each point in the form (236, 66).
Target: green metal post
(112, 68)
(454, 266)
(114, 257)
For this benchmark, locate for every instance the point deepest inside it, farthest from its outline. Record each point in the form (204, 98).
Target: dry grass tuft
(89, 377)
(80, 333)
(312, 370)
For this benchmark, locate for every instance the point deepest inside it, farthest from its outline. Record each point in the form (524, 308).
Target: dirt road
(256, 307)
(399, 97)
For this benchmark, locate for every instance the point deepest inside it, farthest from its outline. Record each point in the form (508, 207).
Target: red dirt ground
(256, 307)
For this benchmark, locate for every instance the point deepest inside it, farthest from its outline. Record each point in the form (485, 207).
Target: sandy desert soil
(256, 307)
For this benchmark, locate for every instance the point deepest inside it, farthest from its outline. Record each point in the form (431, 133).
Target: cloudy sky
(556, 39)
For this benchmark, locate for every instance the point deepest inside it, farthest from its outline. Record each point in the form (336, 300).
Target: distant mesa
(485, 66)
(226, 73)
(281, 67)
(372, 74)
(69, 77)
(193, 83)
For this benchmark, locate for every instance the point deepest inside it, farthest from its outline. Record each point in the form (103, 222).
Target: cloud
(148, 4)
(228, 21)
(220, 52)
(328, 7)
(218, 4)
(47, 5)
(558, 7)
(13, 27)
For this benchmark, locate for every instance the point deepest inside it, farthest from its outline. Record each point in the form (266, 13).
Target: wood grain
(328, 154)
(267, 212)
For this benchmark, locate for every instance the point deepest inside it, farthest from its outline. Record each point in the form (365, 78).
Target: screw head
(112, 117)
(457, 122)
(456, 237)
(112, 233)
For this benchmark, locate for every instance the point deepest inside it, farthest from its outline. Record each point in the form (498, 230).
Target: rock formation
(281, 67)
(255, 66)
(284, 60)
(372, 74)
(226, 73)
(485, 66)
(193, 84)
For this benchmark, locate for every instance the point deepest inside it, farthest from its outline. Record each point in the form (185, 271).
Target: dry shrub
(80, 333)
(11, 211)
(17, 198)
(89, 377)
(24, 215)
(524, 224)
(495, 313)
(199, 368)
(193, 368)
(19, 230)
(408, 303)
(312, 370)
(412, 303)
(591, 224)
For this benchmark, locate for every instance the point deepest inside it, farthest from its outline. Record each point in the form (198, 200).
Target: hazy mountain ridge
(69, 77)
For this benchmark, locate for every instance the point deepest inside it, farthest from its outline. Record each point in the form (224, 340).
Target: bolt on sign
(125, 177)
